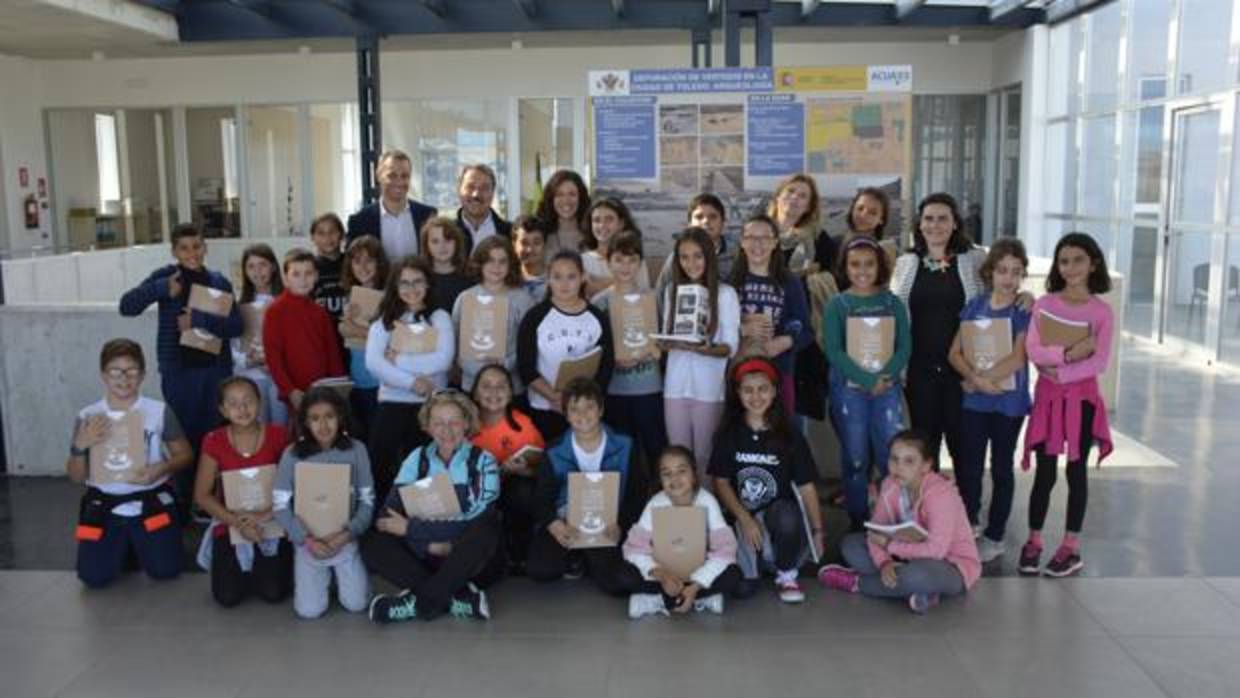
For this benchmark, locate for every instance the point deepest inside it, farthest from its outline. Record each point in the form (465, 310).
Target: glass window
(1234, 204)
(1136, 255)
(109, 169)
(1009, 180)
(1188, 301)
(211, 140)
(949, 136)
(1098, 167)
(1230, 329)
(441, 136)
(274, 172)
(1105, 27)
(1062, 76)
(1060, 167)
(335, 162)
(1148, 27)
(1204, 43)
(1196, 167)
(1140, 170)
(546, 144)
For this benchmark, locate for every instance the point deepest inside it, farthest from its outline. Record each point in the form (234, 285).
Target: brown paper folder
(415, 338)
(986, 342)
(213, 302)
(252, 319)
(585, 365)
(340, 384)
(593, 507)
(871, 341)
(1060, 332)
(366, 300)
(634, 318)
(484, 327)
(249, 490)
(679, 539)
(321, 497)
(122, 454)
(431, 498)
(210, 300)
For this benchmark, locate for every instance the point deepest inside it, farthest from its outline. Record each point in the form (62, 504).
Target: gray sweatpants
(312, 582)
(913, 576)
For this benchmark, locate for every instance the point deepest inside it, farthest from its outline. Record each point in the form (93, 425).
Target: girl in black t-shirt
(764, 476)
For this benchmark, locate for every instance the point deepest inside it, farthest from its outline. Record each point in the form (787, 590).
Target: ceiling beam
(1062, 10)
(808, 7)
(258, 7)
(439, 8)
(617, 8)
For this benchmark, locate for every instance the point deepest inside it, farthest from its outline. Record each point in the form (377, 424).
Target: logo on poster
(609, 83)
(890, 78)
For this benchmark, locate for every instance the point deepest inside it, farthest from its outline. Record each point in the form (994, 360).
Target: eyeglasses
(410, 285)
(119, 373)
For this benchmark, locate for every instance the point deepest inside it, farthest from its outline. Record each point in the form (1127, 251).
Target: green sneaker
(470, 602)
(393, 609)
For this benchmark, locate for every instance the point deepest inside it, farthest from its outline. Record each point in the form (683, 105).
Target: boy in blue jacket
(588, 446)
(188, 377)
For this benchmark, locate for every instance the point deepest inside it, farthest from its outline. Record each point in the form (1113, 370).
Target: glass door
(1191, 298)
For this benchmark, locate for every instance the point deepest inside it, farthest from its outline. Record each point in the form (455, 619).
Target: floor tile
(1068, 666)
(43, 662)
(1157, 607)
(1189, 667)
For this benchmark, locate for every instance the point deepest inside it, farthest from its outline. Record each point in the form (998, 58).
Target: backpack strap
(424, 463)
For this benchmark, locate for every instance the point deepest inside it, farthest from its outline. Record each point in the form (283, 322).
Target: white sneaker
(790, 591)
(988, 549)
(641, 605)
(712, 603)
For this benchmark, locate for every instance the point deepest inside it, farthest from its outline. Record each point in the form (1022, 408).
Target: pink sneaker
(790, 591)
(838, 577)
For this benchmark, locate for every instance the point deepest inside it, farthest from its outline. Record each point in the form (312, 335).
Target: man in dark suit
(395, 219)
(476, 189)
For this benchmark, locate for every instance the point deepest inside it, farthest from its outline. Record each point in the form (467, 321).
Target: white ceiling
(75, 29)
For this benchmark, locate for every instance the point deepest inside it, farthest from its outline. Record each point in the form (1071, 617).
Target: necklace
(937, 265)
(236, 443)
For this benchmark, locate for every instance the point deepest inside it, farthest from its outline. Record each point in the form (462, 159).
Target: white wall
(21, 145)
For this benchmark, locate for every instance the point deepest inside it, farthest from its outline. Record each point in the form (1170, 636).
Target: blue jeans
(922, 576)
(1001, 432)
(100, 562)
(865, 424)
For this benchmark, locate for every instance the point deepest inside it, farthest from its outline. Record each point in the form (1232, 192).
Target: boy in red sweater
(299, 337)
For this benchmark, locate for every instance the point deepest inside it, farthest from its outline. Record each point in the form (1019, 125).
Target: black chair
(1201, 289)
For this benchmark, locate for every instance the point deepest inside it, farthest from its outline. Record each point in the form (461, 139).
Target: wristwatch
(75, 451)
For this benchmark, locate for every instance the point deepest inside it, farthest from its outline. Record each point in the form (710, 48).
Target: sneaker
(1066, 563)
(470, 602)
(575, 567)
(712, 603)
(790, 591)
(642, 605)
(921, 603)
(1030, 559)
(838, 577)
(988, 549)
(385, 608)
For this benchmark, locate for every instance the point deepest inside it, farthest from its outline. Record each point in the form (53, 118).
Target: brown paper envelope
(122, 455)
(871, 341)
(321, 497)
(593, 506)
(987, 341)
(585, 365)
(342, 385)
(484, 327)
(1059, 332)
(679, 539)
(249, 490)
(634, 317)
(202, 340)
(252, 318)
(416, 338)
(367, 302)
(210, 300)
(431, 498)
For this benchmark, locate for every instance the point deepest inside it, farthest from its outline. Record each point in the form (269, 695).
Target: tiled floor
(1009, 637)
(1157, 615)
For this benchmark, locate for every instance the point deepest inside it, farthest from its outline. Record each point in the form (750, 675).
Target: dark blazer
(366, 220)
(502, 228)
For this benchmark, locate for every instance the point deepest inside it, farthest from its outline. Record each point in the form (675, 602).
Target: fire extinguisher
(32, 212)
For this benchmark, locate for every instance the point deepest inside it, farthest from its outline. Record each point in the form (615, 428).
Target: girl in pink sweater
(932, 556)
(1069, 340)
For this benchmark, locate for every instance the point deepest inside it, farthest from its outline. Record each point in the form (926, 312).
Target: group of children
(508, 433)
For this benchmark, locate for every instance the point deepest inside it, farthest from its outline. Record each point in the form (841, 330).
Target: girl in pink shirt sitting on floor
(931, 554)
(1069, 340)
